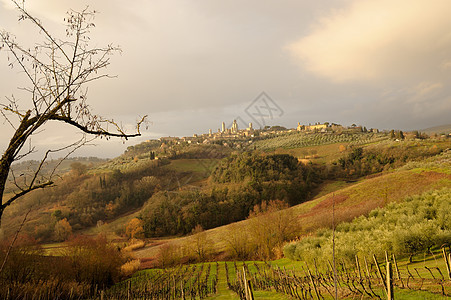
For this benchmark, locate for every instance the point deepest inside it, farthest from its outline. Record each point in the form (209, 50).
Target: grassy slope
(316, 154)
(192, 165)
(198, 170)
(369, 194)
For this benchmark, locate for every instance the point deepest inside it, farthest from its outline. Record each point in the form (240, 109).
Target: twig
(13, 241)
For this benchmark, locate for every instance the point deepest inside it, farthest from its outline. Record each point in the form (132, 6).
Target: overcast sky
(190, 65)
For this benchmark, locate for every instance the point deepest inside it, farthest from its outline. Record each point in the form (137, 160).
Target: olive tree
(57, 72)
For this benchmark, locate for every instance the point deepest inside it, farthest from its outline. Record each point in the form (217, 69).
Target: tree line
(361, 161)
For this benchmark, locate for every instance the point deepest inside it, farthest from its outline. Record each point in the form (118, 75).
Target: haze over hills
(442, 129)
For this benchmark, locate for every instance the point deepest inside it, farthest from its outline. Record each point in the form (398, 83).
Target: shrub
(130, 267)
(62, 230)
(134, 244)
(238, 241)
(135, 229)
(270, 225)
(169, 255)
(23, 261)
(94, 260)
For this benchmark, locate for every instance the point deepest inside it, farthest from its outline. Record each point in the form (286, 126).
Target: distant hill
(63, 165)
(438, 129)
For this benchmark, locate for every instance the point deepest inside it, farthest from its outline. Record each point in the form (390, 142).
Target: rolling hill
(186, 208)
(359, 173)
(350, 202)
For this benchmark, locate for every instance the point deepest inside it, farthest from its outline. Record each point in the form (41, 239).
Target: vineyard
(186, 281)
(365, 279)
(299, 140)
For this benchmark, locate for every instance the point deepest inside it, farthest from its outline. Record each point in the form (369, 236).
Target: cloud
(192, 64)
(379, 41)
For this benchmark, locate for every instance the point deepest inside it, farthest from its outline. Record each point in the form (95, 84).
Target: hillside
(355, 200)
(443, 129)
(302, 139)
(173, 188)
(405, 228)
(59, 166)
(178, 206)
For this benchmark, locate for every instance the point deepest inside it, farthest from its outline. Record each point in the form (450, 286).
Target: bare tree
(57, 72)
(271, 224)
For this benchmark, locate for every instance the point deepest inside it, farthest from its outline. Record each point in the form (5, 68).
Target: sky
(189, 65)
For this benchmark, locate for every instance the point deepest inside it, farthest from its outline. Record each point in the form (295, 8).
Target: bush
(133, 245)
(62, 230)
(130, 267)
(271, 224)
(23, 263)
(239, 243)
(169, 255)
(94, 260)
(134, 229)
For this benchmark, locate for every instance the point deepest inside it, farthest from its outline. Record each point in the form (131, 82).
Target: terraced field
(300, 140)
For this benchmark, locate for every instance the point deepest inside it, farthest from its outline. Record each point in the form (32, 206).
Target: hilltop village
(224, 134)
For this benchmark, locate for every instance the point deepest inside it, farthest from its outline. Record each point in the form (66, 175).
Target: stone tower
(223, 129)
(234, 127)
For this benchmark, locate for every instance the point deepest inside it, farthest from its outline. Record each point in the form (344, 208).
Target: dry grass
(135, 245)
(130, 267)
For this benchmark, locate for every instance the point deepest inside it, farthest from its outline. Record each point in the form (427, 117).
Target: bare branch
(15, 180)
(24, 192)
(37, 22)
(6, 118)
(98, 131)
(57, 72)
(13, 241)
(83, 141)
